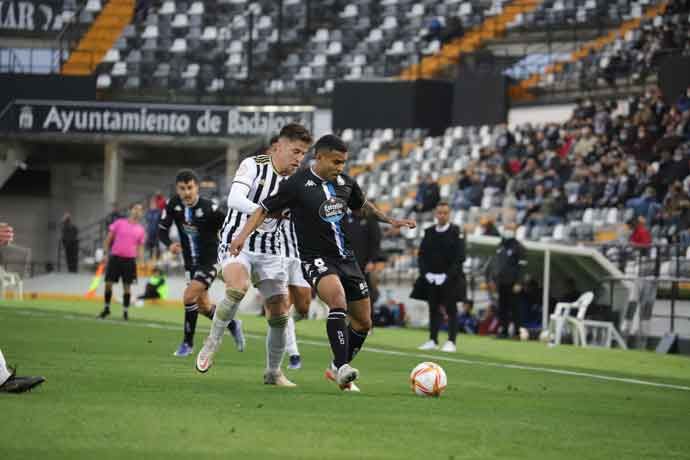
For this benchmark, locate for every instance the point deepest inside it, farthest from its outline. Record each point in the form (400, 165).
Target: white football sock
(4, 373)
(275, 342)
(225, 312)
(291, 343)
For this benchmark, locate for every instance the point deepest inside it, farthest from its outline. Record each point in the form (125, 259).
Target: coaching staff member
(441, 280)
(506, 274)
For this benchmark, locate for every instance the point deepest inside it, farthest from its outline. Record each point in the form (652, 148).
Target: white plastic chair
(561, 316)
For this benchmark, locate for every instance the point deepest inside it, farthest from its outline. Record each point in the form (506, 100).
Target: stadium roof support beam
(113, 165)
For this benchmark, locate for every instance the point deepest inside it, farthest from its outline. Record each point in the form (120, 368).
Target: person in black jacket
(70, 241)
(441, 281)
(365, 234)
(505, 275)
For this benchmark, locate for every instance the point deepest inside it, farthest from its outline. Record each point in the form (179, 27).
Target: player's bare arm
(254, 222)
(382, 217)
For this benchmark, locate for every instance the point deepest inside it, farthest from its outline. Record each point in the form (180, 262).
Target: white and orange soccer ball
(428, 379)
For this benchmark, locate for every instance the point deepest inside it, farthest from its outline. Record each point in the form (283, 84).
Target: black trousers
(508, 307)
(72, 255)
(442, 296)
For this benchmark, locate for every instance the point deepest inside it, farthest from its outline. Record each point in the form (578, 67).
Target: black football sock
(191, 313)
(125, 300)
(108, 298)
(336, 328)
(355, 341)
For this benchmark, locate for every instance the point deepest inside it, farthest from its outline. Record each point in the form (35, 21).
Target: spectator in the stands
(488, 323)
(467, 320)
(488, 226)
(641, 237)
(428, 195)
(160, 200)
(646, 205)
(585, 142)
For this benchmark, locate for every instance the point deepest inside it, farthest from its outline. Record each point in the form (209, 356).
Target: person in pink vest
(122, 246)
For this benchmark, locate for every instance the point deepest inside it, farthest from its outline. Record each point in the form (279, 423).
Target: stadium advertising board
(40, 17)
(68, 117)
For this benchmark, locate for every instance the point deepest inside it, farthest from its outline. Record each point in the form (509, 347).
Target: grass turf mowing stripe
(157, 325)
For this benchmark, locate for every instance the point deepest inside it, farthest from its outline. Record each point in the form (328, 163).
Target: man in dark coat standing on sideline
(70, 241)
(441, 281)
(506, 274)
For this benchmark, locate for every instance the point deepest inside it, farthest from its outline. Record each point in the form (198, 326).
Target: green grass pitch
(114, 391)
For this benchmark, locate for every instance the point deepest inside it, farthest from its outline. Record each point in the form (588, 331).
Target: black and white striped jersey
(261, 180)
(289, 234)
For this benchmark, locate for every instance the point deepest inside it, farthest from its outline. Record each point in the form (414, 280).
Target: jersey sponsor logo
(363, 288)
(190, 230)
(199, 212)
(178, 208)
(333, 210)
(310, 183)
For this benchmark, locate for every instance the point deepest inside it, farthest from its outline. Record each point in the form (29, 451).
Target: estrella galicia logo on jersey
(333, 210)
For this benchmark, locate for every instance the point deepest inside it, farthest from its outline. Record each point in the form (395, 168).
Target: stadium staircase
(101, 36)
(450, 53)
(521, 91)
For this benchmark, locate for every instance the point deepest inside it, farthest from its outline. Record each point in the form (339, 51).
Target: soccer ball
(428, 379)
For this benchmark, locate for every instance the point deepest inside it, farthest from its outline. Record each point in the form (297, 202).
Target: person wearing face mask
(441, 281)
(505, 273)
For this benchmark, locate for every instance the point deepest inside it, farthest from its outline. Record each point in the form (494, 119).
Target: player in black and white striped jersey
(262, 260)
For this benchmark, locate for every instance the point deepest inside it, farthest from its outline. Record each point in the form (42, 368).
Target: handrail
(67, 27)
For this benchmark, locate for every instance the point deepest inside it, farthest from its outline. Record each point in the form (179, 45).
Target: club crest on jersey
(199, 212)
(340, 181)
(333, 210)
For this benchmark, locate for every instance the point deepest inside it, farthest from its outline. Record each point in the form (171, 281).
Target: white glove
(430, 278)
(441, 278)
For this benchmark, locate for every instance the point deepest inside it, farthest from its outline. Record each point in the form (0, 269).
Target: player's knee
(189, 298)
(278, 321)
(277, 305)
(234, 294)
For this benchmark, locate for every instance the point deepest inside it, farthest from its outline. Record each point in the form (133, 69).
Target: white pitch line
(608, 378)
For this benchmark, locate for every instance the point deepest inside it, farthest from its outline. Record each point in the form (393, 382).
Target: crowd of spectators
(634, 155)
(639, 52)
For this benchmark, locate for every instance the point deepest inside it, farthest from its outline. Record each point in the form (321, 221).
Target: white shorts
(268, 272)
(294, 273)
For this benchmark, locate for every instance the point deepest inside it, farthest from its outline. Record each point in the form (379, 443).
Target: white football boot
(429, 345)
(277, 378)
(449, 347)
(204, 360)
